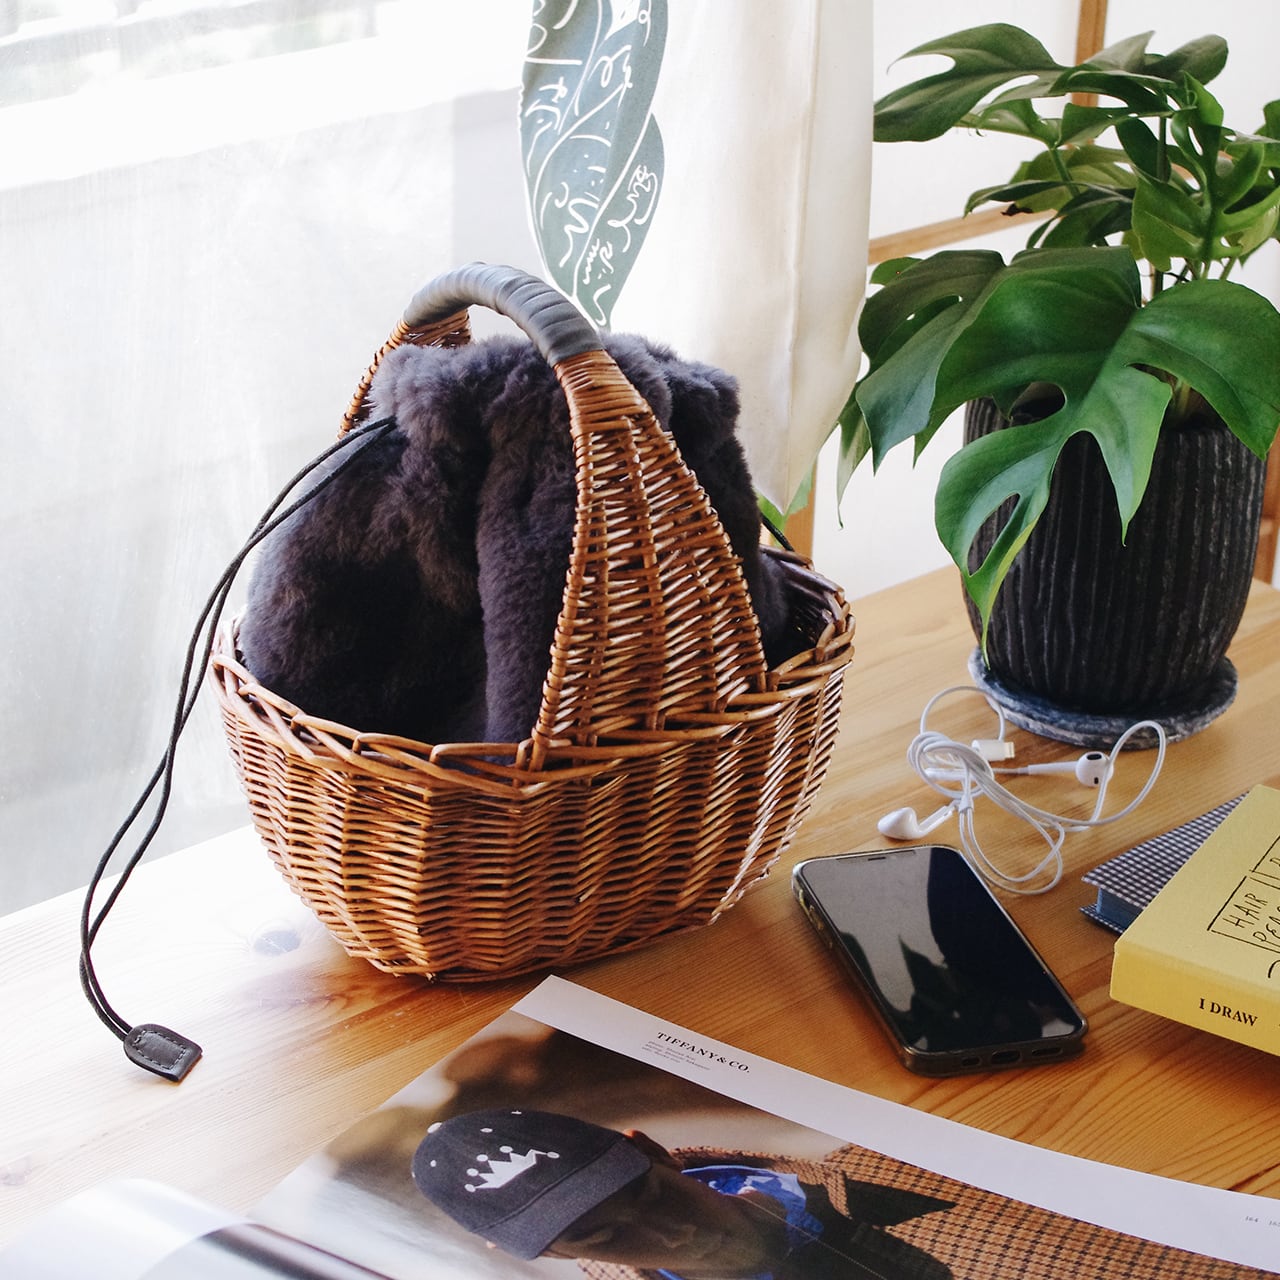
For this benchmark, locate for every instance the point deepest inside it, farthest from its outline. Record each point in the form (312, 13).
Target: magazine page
(576, 1136)
(579, 1136)
(133, 1229)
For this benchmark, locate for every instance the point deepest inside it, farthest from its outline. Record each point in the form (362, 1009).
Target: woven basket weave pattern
(668, 769)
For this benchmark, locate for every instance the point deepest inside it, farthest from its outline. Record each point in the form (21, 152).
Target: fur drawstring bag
(418, 595)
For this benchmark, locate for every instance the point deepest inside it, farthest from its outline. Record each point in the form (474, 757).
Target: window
(211, 216)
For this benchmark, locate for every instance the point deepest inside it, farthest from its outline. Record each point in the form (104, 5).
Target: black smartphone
(951, 977)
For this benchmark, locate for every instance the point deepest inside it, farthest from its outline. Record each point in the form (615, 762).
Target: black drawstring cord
(153, 1047)
(778, 536)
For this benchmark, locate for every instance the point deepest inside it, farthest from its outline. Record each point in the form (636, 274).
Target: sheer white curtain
(701, 174)
(757, 257)
(212, 213)
(210, 217)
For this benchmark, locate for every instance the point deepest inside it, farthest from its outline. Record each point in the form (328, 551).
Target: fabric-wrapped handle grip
(558, 329)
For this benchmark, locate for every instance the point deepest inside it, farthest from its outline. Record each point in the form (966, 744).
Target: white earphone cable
(963, 773)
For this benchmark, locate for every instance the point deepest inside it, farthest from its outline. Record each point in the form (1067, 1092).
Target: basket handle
(558, 329)
(437, 316)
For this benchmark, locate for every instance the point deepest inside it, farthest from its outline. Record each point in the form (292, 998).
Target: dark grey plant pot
(1088, 634)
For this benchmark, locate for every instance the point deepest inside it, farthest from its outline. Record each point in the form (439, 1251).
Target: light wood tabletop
(300, 1040)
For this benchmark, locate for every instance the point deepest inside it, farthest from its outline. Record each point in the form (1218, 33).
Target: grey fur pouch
(417, 595)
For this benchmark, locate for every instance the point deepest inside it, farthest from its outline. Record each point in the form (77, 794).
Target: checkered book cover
(1126, 883)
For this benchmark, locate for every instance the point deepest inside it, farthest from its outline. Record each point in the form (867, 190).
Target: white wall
(883, 531)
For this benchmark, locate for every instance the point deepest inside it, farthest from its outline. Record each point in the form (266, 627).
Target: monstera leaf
(591, 149)
(1003, 58)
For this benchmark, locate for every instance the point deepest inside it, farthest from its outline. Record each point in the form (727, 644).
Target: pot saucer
(1037, 715)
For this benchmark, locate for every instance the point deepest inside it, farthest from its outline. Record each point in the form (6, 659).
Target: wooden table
(300, 1040)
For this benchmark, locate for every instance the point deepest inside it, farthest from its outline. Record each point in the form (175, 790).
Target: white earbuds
(904, 824)
(1092, 769)
(961, 773)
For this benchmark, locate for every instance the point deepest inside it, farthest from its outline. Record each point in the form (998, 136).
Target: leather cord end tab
(161, 1051)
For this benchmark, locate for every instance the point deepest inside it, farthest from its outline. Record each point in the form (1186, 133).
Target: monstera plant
(1119, 322)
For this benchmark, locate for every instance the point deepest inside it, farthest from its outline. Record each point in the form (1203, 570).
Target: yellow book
(1206, 951)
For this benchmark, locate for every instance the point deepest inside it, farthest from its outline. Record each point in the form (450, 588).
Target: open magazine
(576, 1136)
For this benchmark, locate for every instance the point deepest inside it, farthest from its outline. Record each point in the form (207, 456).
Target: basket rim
(499, 768)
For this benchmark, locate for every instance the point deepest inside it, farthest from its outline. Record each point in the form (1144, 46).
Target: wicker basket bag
(669, 766)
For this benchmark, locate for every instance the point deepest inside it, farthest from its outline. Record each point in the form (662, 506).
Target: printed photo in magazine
(631, 1149)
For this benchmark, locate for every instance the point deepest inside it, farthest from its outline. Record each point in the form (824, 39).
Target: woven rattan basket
(669, 767)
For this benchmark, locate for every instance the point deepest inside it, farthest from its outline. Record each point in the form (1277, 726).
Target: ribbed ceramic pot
(1091, 633)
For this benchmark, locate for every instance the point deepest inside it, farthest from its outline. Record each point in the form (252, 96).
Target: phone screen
(958, 985)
